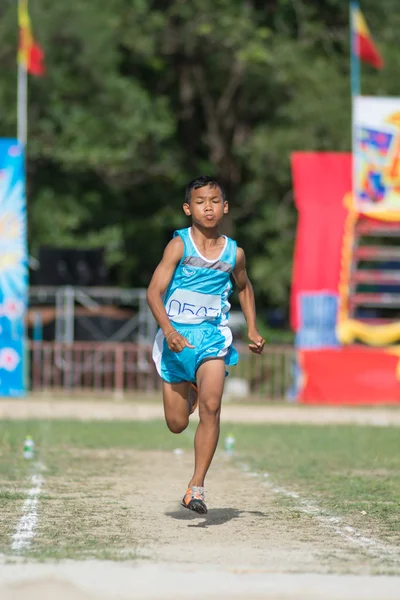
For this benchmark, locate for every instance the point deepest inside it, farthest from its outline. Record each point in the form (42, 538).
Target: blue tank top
(200, 288)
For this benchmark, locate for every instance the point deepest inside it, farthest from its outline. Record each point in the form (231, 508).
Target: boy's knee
(210, 408)
(177, 425)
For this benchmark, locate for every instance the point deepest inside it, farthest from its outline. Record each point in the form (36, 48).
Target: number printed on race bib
(185, 306)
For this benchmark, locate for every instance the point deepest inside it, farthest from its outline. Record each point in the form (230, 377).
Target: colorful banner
(377, 155)
(30, 54)
(13, 268)
(363, 44)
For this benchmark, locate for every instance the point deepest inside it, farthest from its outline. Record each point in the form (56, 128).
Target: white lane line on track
(332, 522)
(26, 529)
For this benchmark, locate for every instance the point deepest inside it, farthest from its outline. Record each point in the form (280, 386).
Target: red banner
(320, 182)
(349, 375)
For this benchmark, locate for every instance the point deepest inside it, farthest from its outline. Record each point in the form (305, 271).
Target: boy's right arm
(157, 287)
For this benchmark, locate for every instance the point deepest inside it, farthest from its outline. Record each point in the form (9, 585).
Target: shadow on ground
(215, 516)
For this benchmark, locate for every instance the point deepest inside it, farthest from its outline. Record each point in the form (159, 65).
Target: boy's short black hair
(200, 182)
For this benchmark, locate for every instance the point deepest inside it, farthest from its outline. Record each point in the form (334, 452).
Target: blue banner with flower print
(13, 268)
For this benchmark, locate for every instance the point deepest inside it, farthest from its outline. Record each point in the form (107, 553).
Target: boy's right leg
(176, 405)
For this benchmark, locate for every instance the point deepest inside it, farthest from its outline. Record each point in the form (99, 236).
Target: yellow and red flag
(30, 54)
(364, 45)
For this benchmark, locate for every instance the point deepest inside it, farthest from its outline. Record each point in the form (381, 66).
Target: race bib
(185, 306)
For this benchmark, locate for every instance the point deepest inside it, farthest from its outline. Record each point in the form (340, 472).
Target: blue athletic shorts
(209, 341)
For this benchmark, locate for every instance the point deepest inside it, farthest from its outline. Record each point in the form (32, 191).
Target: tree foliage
(140, 96)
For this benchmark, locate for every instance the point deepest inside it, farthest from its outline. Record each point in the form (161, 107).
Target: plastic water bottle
(230, 443)
(29, 448)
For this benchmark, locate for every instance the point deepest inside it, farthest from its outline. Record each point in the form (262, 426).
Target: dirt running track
(249, 546)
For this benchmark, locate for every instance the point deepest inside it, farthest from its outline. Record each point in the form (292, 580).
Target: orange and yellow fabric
(30, 54)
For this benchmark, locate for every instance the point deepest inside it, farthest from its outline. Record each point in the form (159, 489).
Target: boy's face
(206, 206)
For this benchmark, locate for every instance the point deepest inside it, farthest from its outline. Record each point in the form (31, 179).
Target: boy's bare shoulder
(240, 257)
(174, 249)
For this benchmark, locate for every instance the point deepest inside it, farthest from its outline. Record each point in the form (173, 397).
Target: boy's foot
(194, 500)
(193, 398)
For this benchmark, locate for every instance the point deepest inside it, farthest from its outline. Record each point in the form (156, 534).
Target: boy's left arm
(247, 303)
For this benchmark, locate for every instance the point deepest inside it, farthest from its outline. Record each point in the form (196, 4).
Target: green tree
(141, 95)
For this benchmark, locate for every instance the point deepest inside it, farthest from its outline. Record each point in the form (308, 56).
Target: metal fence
(124, 367)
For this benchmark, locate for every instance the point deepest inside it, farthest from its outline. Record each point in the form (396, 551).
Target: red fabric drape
(320, 182)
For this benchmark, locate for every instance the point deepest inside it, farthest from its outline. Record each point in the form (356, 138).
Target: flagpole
(22, 104)
(355, 89)
(22, 98)
(355, 54)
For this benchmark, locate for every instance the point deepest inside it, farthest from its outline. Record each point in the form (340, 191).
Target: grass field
(84, 510)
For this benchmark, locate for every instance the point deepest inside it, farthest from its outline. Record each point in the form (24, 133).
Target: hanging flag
(30, 54)
(363, 44)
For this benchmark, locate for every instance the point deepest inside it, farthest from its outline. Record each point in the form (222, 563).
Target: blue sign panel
(13, 268)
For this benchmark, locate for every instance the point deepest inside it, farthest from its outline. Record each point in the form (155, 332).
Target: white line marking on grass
(26, 529)
(332, 522)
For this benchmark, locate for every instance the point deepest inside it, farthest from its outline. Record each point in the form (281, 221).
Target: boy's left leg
(210, 381)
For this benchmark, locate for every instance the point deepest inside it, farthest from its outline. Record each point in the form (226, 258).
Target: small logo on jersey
(188, 272)
(212, 350)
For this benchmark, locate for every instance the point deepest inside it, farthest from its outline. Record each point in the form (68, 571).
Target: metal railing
(125, 367)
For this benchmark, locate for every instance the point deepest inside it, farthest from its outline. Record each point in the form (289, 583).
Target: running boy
(188, 296)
